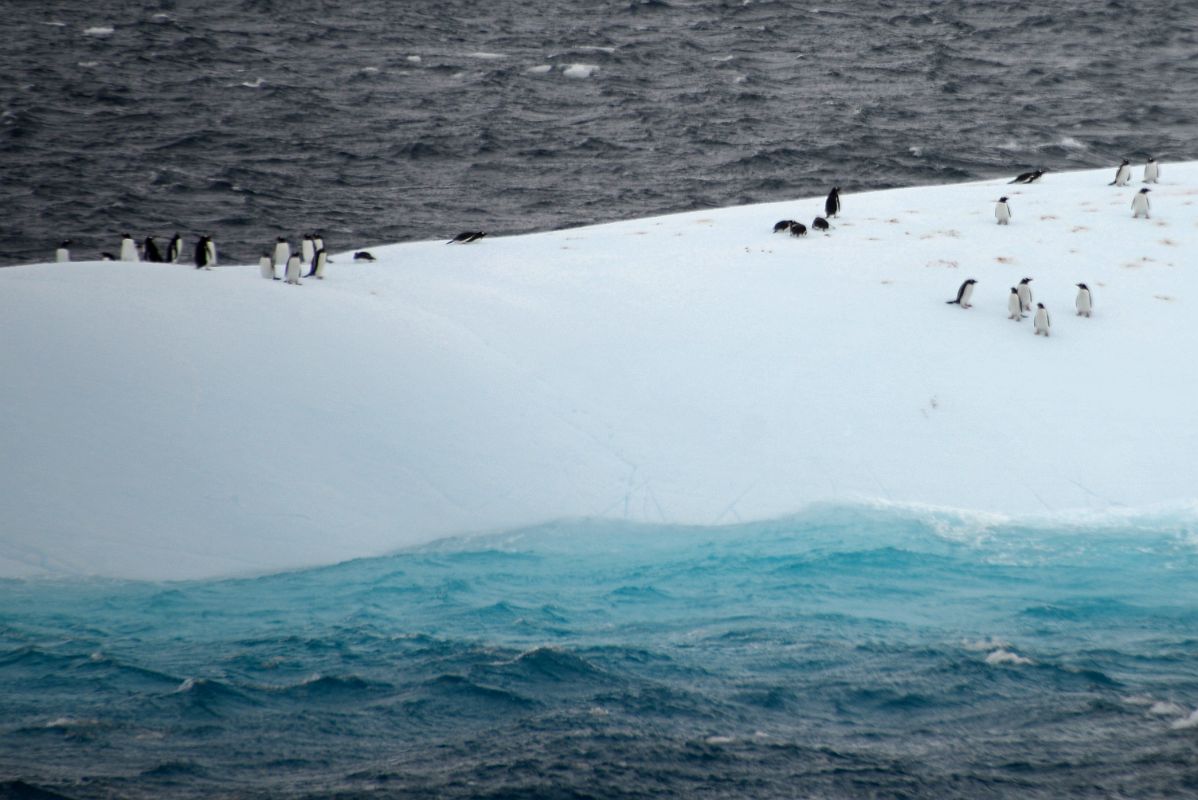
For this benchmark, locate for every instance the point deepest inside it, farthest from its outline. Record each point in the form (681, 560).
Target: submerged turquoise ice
(844, 652)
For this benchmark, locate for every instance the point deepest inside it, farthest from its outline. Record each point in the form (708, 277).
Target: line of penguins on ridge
(1019, 302)
(312, 253)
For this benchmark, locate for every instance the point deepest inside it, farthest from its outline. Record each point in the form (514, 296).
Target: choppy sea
(376, 121)
(846, 652)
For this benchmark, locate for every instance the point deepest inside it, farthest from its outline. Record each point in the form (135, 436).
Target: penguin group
(831, 209)
(311, 254)
(129, 250)
(1019, 303)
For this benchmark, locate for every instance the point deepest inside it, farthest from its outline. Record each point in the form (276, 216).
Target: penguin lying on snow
(465, 237)
(1029, 177)
(363, 255)
(963, 294)
(820, 224)
(798, 229)
(783, 225)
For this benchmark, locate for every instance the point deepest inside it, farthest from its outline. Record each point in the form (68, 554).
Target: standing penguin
(63, 253)
(963, 294)
(1002, 211)
(211, 246)
(282, 252)
(293, 269)
(1139, 204)
(318, 262)
(128, 248)
(151, 251)
(832, 204)
(1084, 302)
(1041, 321)
(201, 253)
(1122, 174)
(1014, 306)
(174, 249)
(266, 267)
(307, 248)
(1152, 171)
(317, 241)
(1025, 295)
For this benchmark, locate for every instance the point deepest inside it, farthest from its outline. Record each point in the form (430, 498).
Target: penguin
(832, 204)
(1042, 323)
(1122, 174)
(107, 256)
(1084, 302)
(963, 294)
(307, 249)
(798, 229)
(266, 267)
(1014, 306)
(1025, 295)
(282, 252)
(293, 269)
(174, 249)
(128, 248)
(63, 253)
(1002, 212)
(1139, 204)
(783, 225)
(318, 262)
(211, 246)
(820, 224)
(363, 255)
(1152, 171)
(317, 242)
(201, 253)
(151, 251)
(1028, 177)
(465, 237)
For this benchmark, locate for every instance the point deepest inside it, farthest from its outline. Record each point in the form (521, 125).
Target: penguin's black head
(1014, 290)
(1145, 190)
(280, 239)
(1002, 199)
(1026, 280)
(1082, 286)
(971, 281)
(1039, 305)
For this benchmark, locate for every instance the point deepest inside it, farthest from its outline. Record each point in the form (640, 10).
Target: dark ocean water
(843, 653)
(381, 121)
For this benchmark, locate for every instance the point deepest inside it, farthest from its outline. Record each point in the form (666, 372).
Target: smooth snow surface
(164, 422)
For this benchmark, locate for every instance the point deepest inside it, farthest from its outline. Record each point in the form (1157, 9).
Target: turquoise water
(844, 652)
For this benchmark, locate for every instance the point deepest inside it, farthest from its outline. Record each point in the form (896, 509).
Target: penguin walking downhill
(63, 253)
(1122, 174)
(1084, 301)
(832, 204)
(1002, 211)
(964, 293)
(1152, 171)
(798, 229)
(1139, 204)
(1025, 295)
(1041, 322)
(783, 225)
(151, 250)
(174, 249)
(820, 224)
(1014, 306)
(128, 248)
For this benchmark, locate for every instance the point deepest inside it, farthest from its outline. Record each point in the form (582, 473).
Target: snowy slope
(164, 422)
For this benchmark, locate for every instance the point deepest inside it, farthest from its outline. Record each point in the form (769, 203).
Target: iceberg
(167, 423)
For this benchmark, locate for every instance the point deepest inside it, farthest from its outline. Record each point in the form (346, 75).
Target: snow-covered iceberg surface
(165, 422)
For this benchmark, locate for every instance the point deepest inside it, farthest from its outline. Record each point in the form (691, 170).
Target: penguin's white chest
(1002, 213)
(282, 253)
(128, 250)
(1151, 172)
(1041, 321)
(1083, 302)
(1025, 296)
(1014, 306)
